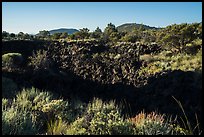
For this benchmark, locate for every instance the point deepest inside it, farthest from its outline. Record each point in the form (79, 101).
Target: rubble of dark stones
(108, 64)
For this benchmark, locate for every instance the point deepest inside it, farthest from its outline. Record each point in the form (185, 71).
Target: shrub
(194, 46)
(155, 124)
(101, 119)
(4, 103)
(40, 108)
(163, 62)
(76, 109)
(187, 62)
(9, 88)
(46, 108)
(110, 124)
(33, 99)
(12, 60)
(149, 124)
(78, 127)
(57, 127)
(57, 109)
(16, 121)
(40, 60)
(62, 109)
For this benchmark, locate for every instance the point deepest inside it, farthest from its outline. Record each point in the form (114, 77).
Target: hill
(127, 27)
(61, 30)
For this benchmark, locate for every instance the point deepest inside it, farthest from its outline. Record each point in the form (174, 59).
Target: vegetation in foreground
(33, 111)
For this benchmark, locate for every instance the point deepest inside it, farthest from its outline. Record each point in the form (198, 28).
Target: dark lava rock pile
(102, 63)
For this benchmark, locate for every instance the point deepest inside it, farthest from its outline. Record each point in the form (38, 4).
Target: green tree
(111, 33)
(82, 33)
(5, 34)
(177, 36)
(129, 37)
(147, 36)
(27, 36)
(72, 36)
(56, 35)
(20, 35)
(12, 35)
(64, 35)
(199, 30)
(97, 33)
(142, 28)
(43, 34)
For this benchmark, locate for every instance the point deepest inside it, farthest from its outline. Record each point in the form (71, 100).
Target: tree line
(175, 36)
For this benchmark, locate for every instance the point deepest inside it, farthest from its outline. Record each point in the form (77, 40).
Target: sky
(32, 17)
